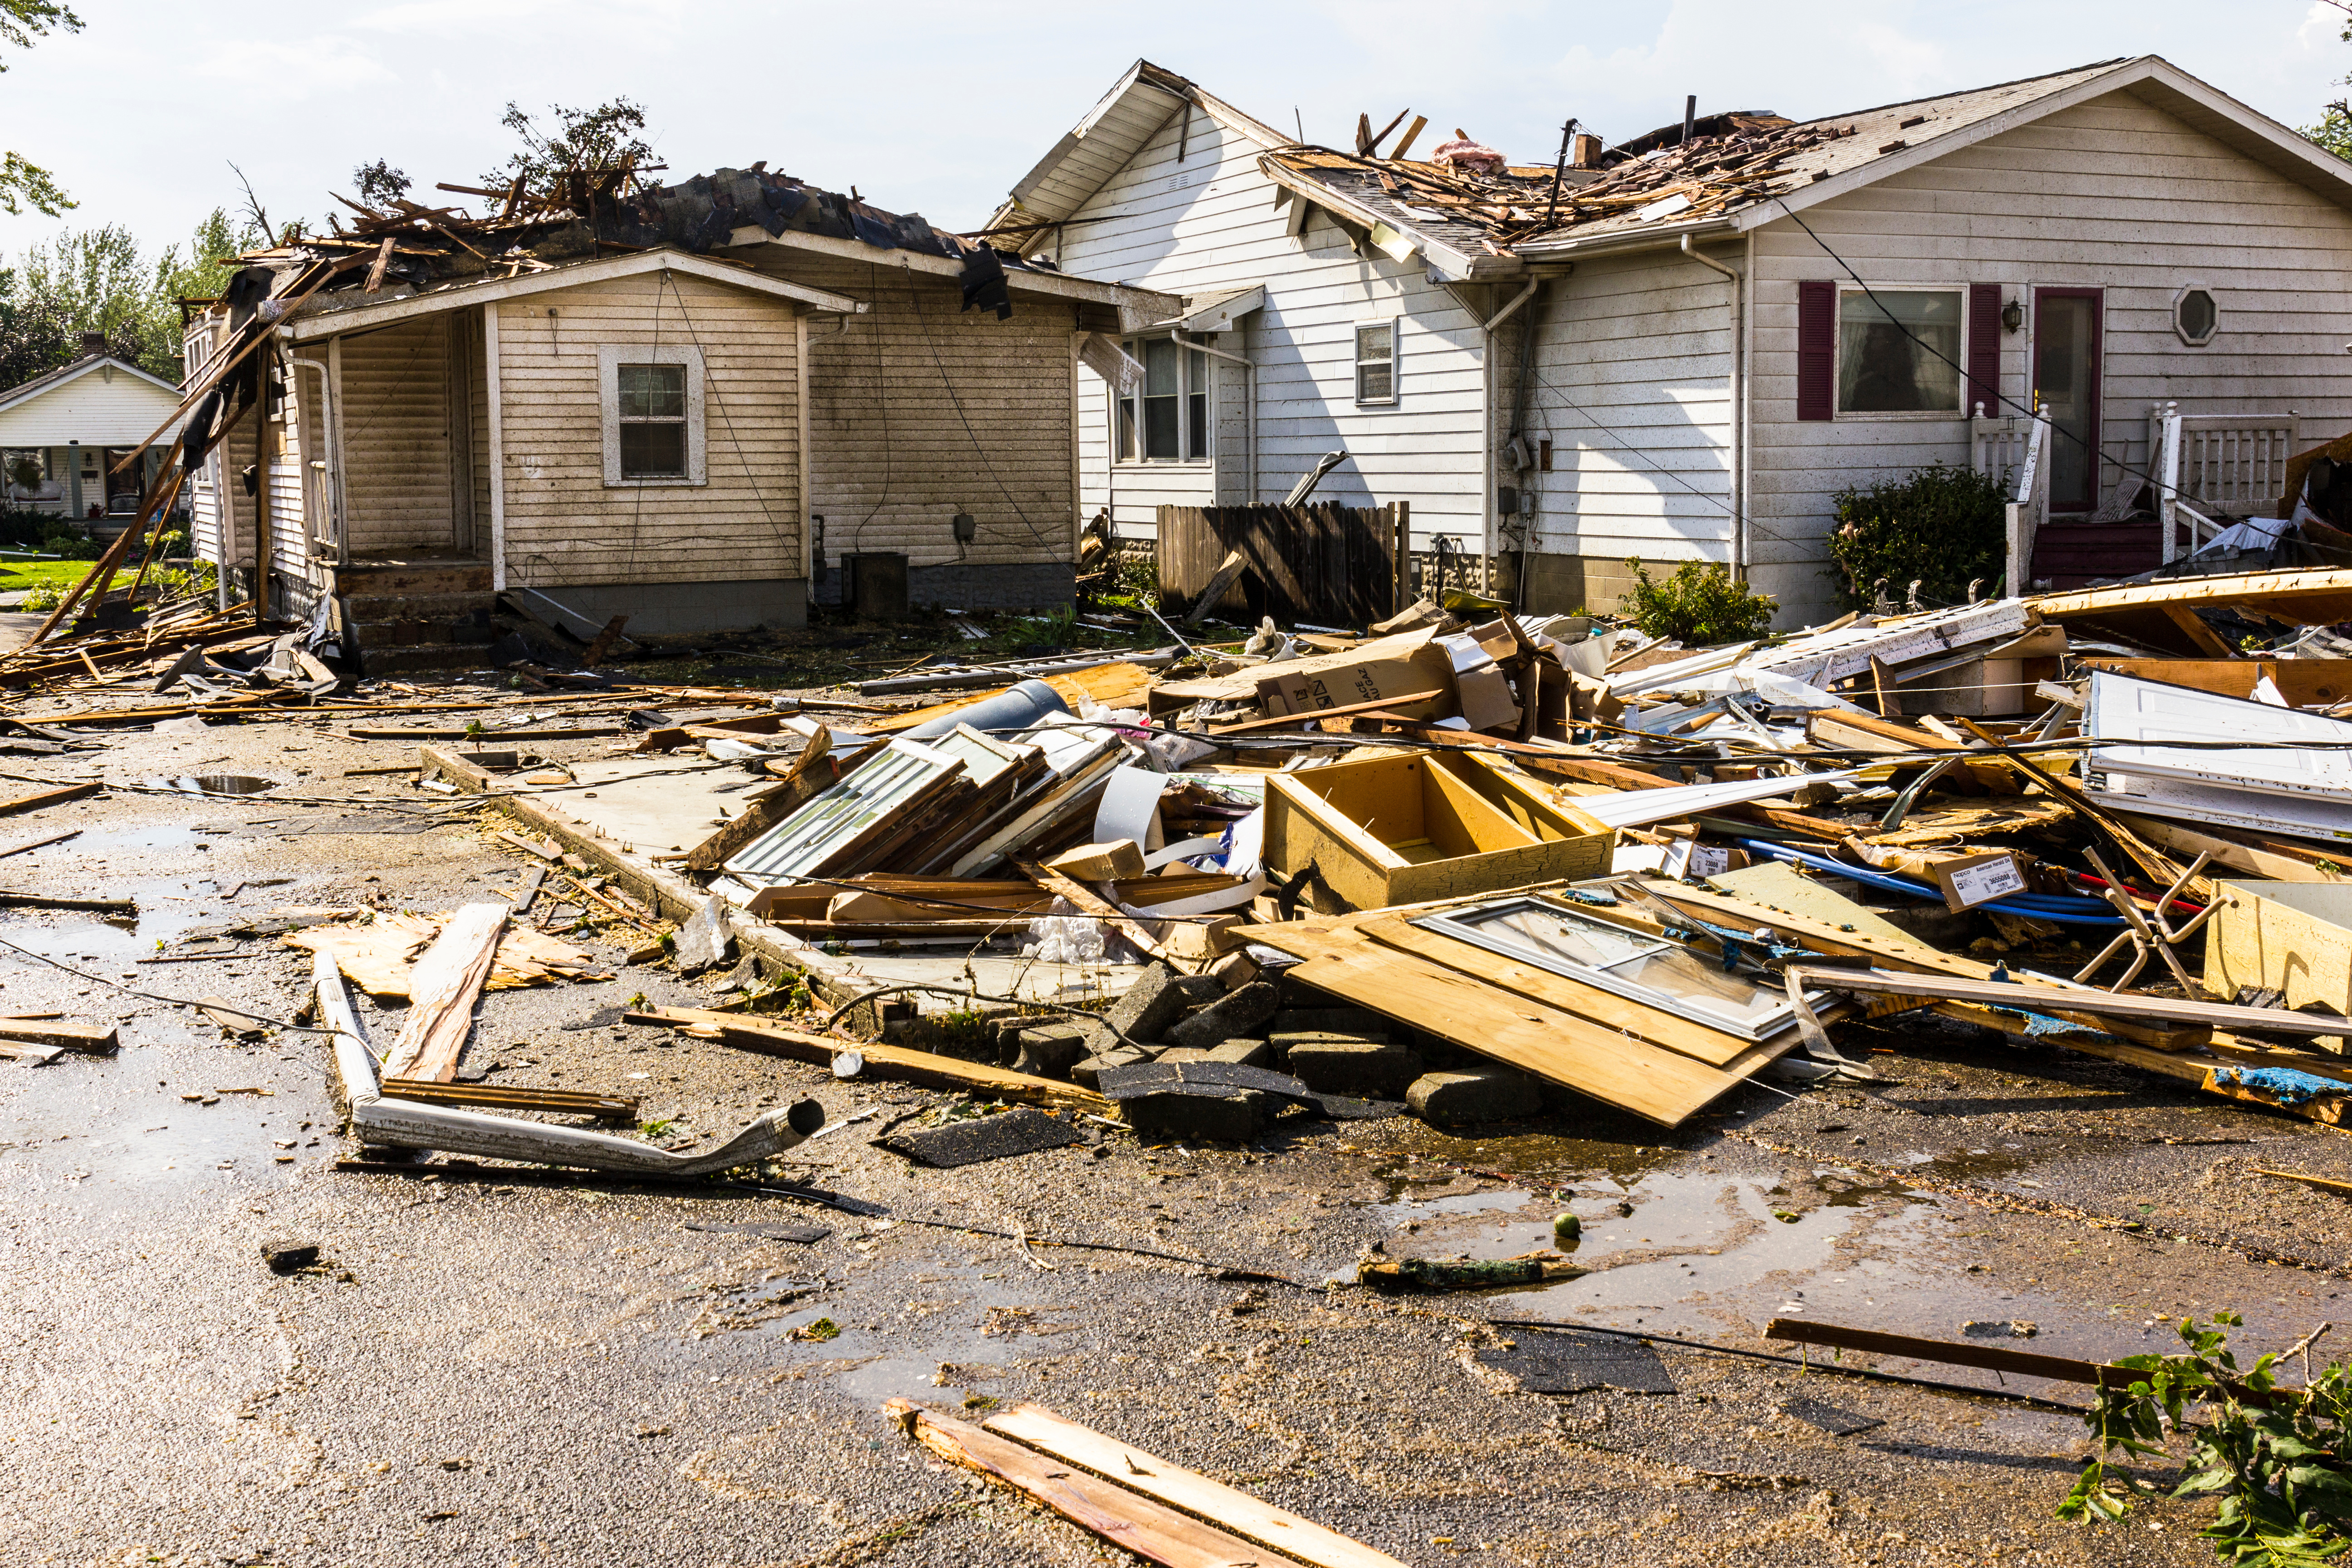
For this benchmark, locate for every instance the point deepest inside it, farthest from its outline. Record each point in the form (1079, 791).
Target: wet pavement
(546, 1371)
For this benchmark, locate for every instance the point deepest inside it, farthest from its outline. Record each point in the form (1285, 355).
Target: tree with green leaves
(595, 137)
(99, 280)
(2333, 130)
(24, 182)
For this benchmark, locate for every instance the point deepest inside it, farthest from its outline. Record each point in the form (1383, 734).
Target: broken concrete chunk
(1358, 1021)
(286, 1256)
(1353, 1067)
(704, 939)
(1481, 1094)
(1150, 1006)
(1235, 1116)
(1237, 1014)
(1050, 1051)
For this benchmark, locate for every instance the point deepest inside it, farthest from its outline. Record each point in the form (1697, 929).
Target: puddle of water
(149, 837)
(85, 942)
(216, 784)
(951, 1341)
(1409, 1209)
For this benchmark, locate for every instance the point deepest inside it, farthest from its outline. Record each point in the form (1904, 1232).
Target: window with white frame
(1899, 349)
(1166, 419)
(651, 398)
(1376, 362)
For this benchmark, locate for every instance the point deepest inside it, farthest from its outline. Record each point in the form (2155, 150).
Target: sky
(939, 108)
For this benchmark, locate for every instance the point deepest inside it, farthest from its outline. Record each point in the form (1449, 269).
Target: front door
(2066, 344)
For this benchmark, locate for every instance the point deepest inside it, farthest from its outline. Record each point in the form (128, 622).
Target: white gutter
(1734, 394)
(412, 1124)
(1243, 361)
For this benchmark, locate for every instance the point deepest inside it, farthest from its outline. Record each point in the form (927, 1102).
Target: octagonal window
(2196, 316)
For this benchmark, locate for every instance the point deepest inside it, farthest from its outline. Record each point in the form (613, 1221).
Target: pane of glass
(1196, 371)
(1568, 944)
(1159, 427)
(1372, 342)
(1373, 384)
(653, 450)
(1884, 363)
(1196, 425)
(1160, 368)
(1126, 429)
(2065, 375)
(2198, 313)
(653, 391)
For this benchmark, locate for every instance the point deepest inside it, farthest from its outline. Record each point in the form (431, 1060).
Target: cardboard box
(1486, 698)
(1409, 827)
(1969, 880)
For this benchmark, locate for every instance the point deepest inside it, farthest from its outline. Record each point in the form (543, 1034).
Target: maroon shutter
(1816, 350)
(1984, 347)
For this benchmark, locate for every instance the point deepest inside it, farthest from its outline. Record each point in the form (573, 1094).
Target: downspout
(1243, 361)
(1735, 393)
(1486, 329)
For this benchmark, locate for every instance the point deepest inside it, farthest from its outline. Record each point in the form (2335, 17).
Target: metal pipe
(1733, 390)
(1244, 362)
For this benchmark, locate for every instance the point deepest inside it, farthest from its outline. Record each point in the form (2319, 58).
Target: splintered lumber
(555, 1101)
(1228, 571)
(2067, 1002)
(1151, 1531)
(380, 957)
(52, 902)
(1049, 1433)
(41, 798)
(888, 1063)
(442, 993)
(93, 1040)
(1988, 1358)
(1649, 1080)
(39, 843)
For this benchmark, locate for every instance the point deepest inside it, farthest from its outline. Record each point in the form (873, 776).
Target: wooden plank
(1220, 583)
(889, 1063)
(1090, 902)
(1713, 1047)
(2083, 1005)
(1310, 717)
(2193, 627)
(1988, 1358)
(1151, 1531)
(93, 1039)
(39, 799)
(558, 1101)
(2278, 862)
(2303, 682)
(1649, 1080)
(442, 992)
(1238, 1512)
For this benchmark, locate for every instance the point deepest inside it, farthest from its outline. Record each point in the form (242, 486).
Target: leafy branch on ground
(1940, 527)
(2279, 1458)
(1702, 604)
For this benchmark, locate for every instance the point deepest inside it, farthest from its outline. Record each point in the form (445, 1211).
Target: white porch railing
(2225, 464)
(2015, 451)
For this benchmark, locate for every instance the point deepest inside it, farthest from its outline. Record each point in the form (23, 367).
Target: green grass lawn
(20, 575)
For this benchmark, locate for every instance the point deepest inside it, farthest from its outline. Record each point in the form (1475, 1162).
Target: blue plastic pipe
(2055, 907)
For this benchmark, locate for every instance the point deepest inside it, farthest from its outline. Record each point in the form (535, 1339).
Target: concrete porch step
(405, 632)
(455, 606)
(424, 575)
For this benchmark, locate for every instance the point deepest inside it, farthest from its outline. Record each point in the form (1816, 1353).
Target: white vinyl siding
(395, 432)
(1209, 222)
(2113, 194)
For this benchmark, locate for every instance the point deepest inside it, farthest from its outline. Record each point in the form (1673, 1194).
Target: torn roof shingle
(1749, 159)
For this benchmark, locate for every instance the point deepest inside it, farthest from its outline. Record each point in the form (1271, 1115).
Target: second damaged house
(703, 406)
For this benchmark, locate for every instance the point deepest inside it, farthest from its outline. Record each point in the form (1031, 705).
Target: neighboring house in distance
(692, 432)
(75, 423)
(1706, 372)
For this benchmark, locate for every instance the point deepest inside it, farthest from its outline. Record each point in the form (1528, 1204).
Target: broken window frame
(1130, 414)
(1458, 923)
(610, 358)
(1389, 360)
(1955, 351)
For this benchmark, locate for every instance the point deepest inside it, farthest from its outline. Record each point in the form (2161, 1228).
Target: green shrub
(1702, 603)
(42, 596)
(1936, 526)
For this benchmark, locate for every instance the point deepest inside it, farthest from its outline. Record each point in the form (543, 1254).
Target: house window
(2195, 316)
(651, 402)
(1167, 418)
(653, 421)
(1376, 363)
(1900, 351)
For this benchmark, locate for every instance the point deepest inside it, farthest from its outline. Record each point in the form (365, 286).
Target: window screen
(1376, 364)
(653, 421)
(1899, 352)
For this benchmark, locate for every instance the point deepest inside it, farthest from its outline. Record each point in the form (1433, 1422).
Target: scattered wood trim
(93, 1040)
(49, 901)
(448, 981)
(1308, 718)
(889, 1063)
(1988, 1358)
(1151, 1531)
(1141, 1471)
(40, 799)
(503, 1096)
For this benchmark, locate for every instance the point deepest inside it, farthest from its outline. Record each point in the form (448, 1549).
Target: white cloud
(293, 67)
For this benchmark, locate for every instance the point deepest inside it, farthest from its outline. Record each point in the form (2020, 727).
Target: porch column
(499, 447)
(73, 481)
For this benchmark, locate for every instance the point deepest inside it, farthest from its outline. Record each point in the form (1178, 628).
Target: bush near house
(22, 527)
(1701, 604)
(1939, 527)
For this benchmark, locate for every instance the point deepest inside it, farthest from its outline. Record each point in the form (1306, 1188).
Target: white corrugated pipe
(408, 1124)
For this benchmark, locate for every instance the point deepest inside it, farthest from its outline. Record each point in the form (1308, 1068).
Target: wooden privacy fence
(1326, 564)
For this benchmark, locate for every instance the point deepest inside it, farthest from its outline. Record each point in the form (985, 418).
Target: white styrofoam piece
(1640, 808)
